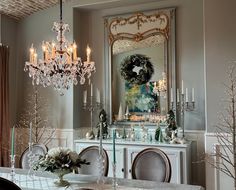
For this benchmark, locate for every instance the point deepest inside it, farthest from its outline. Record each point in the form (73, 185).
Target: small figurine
(103, 122)
(171, 121)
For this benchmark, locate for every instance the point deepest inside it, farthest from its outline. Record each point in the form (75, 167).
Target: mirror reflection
(140, 69)
(134, 100)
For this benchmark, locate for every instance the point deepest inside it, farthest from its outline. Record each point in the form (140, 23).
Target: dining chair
(37, 150)
(151, 164)
(8, 185)
(91, 154)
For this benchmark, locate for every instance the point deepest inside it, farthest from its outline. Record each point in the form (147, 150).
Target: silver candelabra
(91, 106)
(183, 106)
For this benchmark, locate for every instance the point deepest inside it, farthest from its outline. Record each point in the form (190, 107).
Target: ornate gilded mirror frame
(138, 27)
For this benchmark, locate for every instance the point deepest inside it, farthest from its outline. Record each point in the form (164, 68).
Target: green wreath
(136, 60)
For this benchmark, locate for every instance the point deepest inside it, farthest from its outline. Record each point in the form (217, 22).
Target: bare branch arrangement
(223, 157)
(42, 131)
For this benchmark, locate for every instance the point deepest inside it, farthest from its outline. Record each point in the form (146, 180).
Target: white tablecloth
(45, 181)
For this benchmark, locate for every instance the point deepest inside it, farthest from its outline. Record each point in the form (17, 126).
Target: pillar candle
(177, 95)
(114, 146)
(186, 95)
(193, 95)
(13, 141)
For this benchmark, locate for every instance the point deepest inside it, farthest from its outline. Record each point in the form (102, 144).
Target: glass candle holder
(12, 174)
(114, 180)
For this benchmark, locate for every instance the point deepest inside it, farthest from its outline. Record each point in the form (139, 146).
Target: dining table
(31, 180)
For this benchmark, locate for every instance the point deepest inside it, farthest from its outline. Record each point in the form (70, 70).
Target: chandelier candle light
(60, 64)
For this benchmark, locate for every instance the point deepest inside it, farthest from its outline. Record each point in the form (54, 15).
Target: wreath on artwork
(136, 60)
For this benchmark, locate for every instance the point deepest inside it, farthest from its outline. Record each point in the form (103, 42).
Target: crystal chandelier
(161, 85)
(60, 65)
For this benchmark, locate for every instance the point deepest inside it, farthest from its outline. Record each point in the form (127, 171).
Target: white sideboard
(179, 155)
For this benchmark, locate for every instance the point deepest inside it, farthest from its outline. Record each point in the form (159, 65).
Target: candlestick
(91, 89)
(192, 94)
(177, 95)
(186, 95)
(12, 174)
(114, 146)
(13, 141)
(171, 95)
(85, 97)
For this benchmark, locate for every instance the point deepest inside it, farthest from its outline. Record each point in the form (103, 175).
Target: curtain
(4, 106)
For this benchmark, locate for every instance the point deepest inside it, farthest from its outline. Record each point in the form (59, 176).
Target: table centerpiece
(60, 161)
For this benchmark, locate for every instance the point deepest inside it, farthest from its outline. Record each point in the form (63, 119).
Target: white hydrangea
(56, 151)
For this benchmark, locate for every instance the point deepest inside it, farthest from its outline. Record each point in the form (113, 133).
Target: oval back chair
(37, 150)
(91, 154)
(8, 185)
(151, 164)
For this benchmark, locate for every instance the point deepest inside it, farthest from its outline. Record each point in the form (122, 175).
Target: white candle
(100, 142)
(31, 53)
(85, 97)
(182, 86)
(193, 95)
(30, 134)
(98, 96)
(177, 95)
(88, 50)
(91, 89)
(186, 95)
(171, 95)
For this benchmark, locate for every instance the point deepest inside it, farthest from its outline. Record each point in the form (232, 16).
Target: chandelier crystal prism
(60, 65)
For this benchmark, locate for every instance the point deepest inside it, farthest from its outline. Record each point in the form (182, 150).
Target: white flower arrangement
(59, 160)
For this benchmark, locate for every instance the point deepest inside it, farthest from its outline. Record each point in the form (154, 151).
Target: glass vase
(60, 182)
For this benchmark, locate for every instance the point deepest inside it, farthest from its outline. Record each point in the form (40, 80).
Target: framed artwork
(141, 98)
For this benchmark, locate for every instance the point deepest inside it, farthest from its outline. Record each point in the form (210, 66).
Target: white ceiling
(21, 8)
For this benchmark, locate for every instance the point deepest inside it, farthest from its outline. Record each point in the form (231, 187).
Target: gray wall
(67, 111)
(220, 46)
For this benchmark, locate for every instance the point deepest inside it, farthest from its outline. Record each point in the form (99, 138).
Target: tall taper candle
(182, 86)
(193, 95)
(85, 97)
(100, 142)
(30, 134)
(186, 95)
(13, 141)
(91, 89)
(114, 146)
(171, 95)
(177, 95)
(98, 96)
